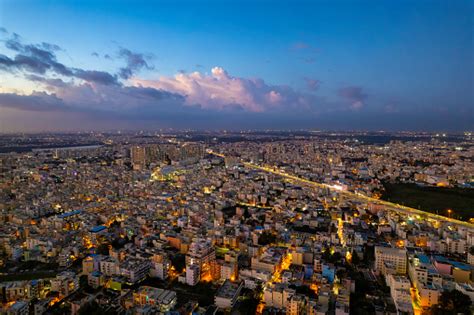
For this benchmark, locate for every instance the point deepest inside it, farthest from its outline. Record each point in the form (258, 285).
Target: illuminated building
(277, 295)
(270, 260)
(296, 305)
(396, 256)
(163, 300)
(228, 271)
(18, 308)
(202, 253)
(160, 267)
(65, 283)
(135, 270)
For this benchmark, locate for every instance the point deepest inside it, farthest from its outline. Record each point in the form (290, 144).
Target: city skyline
(346, 65)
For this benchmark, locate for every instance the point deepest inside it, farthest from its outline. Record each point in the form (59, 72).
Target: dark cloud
(50, 47)
(100, 77)
(354, 94)
(107, 56)
(135, 62)
(37, 101)
(41, 58)
(96, 93)
(33, 58)
(102, 100)
(5, 62)
(3, 30)
(50, 82)
(94, 54)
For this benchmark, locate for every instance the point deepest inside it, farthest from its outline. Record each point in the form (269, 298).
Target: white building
(192, 275)
(227, 294)
(395, 256)
(277, 295)
(400, 292)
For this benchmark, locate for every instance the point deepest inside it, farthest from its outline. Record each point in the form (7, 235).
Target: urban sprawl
(232, 223)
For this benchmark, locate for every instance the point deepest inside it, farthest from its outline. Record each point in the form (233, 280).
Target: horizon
(326, 132)
(342, 66)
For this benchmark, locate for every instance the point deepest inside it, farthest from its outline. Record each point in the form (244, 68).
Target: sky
(326, 65)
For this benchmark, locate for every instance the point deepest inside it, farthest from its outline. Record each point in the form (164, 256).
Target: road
(390, 205)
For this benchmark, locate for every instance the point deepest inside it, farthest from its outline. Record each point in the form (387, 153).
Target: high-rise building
(138, 157)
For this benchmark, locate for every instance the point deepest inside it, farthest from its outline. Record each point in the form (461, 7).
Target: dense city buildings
(235, 223)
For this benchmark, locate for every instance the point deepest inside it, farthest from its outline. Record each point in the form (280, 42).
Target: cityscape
(332, 173)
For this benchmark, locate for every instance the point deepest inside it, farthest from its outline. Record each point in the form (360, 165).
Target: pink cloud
(221, 91)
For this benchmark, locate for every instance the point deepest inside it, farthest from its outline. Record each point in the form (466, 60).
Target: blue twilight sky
(393, 65)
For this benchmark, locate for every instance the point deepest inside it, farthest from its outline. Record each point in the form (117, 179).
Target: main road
(390, 205)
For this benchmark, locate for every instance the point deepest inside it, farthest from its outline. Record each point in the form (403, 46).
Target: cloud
(135, 62)
(49, 82)
(312, 84)
(41, 59)
(217, 91)
(100, 77)
(221, 91)
(37, 101)
(37, 59)
(353, 94)
(98, 100)
(68, 89)
(95, 54)
(195, 97)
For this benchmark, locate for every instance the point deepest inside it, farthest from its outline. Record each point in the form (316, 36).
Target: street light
(449, 212)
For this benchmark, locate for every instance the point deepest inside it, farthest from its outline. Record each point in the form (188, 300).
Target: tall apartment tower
(138, 157)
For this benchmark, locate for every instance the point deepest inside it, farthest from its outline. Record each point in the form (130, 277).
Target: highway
(390, 205)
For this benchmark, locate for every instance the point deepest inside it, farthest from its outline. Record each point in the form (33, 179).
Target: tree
(369, 254)
(179, 262)
(452, 302)
(355, 259)
(266, 238)
(93, 308)
(103, 249)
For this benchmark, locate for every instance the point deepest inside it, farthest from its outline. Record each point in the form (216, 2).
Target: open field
(433, 199)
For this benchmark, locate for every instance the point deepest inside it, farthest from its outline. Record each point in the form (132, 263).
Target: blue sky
(404, 65)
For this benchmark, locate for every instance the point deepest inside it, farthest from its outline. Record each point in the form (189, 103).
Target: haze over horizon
(345, 65)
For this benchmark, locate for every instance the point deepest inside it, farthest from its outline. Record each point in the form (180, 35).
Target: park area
(433, 199)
